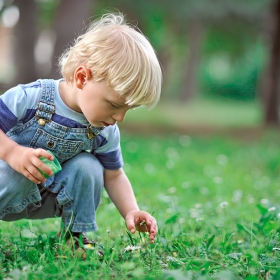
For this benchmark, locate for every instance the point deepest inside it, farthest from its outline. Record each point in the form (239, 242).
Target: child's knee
(86, 164)
(83, 169)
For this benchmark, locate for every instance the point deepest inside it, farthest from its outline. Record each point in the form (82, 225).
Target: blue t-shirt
(18, 105)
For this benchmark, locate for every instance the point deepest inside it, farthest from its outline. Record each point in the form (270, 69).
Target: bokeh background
(205, 161)
(220, 58)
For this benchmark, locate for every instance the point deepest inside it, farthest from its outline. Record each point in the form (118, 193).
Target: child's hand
(26, 161)
(143, 222)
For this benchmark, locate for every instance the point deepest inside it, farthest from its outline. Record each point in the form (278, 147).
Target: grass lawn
(221, 113)
(216, 200)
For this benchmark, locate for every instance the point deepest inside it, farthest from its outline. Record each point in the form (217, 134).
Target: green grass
(219, 113)
(216, 200)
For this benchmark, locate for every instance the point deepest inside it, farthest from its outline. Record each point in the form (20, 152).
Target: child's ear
(81, 75)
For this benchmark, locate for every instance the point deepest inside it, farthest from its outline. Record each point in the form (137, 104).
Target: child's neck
(68, 95)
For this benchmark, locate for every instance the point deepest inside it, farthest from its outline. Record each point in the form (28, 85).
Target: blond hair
(120, 55)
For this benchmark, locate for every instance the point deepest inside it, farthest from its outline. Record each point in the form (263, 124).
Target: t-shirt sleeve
(109, 152)
(12, 107)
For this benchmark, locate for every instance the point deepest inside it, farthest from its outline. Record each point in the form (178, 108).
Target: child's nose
(119, 117)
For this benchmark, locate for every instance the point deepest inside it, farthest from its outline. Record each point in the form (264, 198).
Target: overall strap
(46, 107)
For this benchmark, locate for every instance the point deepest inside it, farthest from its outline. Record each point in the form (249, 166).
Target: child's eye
(113, 105)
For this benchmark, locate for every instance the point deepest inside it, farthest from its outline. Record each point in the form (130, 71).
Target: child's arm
(23, 159)
(121, 193)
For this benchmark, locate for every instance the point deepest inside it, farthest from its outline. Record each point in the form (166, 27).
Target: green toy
(53, 165)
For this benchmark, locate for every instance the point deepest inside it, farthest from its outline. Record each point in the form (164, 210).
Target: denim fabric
(73, 193)
(19, 105)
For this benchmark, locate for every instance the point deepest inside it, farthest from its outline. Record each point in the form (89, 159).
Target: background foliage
(202, 161)
(207, 48)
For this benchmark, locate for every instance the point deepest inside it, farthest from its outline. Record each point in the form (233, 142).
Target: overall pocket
(62, 149)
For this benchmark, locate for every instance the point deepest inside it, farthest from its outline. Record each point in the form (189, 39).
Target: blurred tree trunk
(25, 36)
(273, 74)
(190, 77)
(71, 17)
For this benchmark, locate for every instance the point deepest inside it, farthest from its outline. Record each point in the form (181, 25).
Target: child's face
(100, 104)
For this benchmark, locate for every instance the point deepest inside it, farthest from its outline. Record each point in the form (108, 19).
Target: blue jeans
(72, 194)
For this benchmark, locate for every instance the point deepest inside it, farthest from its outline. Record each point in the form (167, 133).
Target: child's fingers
(144, 223)
(153, 234)
(38, 175)
(152, 228)
(38, 163)
(152, 238)
(152, 223)
(43, 167)
(34, 175)
(43, 153)
(130, 225)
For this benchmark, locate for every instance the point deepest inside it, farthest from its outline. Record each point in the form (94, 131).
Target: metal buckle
(46, 111)
(42, 121)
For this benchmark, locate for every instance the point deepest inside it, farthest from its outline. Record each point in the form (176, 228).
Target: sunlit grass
(216, 203)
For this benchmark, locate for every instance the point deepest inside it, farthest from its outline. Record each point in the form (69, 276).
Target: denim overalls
(74, 192)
